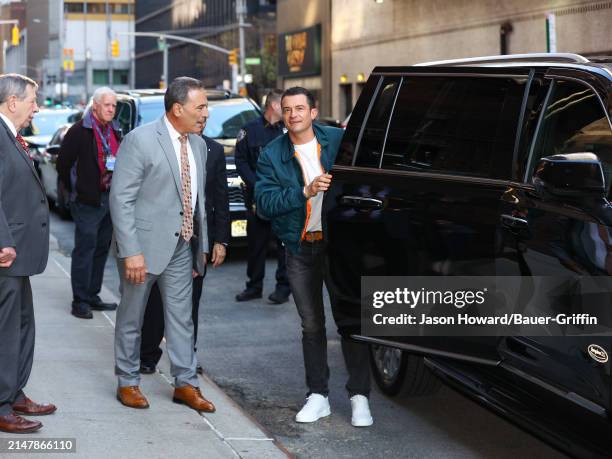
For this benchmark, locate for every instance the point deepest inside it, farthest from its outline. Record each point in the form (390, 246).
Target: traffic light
(232, 57)
(115, 48)
(15, 35)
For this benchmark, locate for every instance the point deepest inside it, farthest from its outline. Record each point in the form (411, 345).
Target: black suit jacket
(216, 192)
(24, 213)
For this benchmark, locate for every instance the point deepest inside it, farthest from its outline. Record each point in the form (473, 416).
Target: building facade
(366, 34)
(304, 55)
(210, 21)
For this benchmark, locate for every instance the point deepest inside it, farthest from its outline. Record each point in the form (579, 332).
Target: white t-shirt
(308, 156)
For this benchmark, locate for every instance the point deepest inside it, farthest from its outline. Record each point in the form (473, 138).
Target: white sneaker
(361, 411)
(316, 407)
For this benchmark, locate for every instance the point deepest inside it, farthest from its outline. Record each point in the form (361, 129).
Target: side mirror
(571, 175)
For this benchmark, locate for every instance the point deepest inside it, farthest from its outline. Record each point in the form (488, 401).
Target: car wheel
(61, 203)
(399, 373)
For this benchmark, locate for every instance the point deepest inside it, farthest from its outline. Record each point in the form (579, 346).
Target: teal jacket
(278, 190)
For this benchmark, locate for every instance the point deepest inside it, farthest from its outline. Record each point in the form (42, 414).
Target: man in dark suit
(218, 218)
(24, 248)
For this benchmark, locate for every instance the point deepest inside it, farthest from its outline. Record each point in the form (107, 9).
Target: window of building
(74, 7)
(575, 122)
(120, 77)
(121, 8)
(100, 77)
(455, 125)
(96, 8)
(370, 148)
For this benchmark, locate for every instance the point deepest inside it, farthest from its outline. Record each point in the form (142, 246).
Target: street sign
(161, 44)
(252, 61)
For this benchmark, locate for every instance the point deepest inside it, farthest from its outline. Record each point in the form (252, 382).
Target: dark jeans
(306, 272)
(92, 238)
(259, 232)
(153, 324)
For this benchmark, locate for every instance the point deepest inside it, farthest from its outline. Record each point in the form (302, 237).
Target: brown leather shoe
(192, 397)
(132, 397)
(15, 424)
(31, 408)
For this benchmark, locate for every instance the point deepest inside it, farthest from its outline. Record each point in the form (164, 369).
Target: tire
(61, 203)
(399, 373)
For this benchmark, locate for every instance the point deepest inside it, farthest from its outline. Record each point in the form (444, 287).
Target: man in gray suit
(24, 248)
(157, 209)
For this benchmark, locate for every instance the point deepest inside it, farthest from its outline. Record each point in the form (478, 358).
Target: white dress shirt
(9, 123)
(176, 143)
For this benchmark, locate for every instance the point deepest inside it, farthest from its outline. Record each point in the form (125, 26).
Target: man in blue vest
(292, 176)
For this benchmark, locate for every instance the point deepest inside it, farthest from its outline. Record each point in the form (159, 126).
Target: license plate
(239, 228)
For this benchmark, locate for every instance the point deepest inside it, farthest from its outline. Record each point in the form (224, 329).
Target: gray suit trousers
(16, 338)
(175, 285)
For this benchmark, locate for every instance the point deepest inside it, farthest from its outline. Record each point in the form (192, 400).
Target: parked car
(44, 124)
(227, 114)
(46, 159)
(442, 172)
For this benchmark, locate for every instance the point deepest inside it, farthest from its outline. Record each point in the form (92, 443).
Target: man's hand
(218, 254)
(7, 257)
(320, 183)
(135, 269)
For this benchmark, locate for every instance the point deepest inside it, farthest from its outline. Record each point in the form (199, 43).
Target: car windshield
(226, 117)
(47, 122)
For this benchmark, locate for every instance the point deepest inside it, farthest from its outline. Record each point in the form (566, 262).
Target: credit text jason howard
(465, 319)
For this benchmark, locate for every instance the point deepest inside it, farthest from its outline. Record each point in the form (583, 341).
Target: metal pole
(165, 75)
(234, 78)
(108, 45)
(241, 10)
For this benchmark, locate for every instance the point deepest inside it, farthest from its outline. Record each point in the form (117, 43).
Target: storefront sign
(299, 52)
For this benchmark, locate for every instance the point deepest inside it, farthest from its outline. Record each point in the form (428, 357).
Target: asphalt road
(253, 351)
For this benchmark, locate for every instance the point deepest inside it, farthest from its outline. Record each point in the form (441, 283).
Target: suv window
(457, 125)
(355, 121)
(370, 148)
(574, 122)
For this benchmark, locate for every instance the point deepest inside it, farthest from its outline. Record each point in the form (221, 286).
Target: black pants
(92, 238)
(259, 232)
(306, 272)
(16, 339)
(153, 324)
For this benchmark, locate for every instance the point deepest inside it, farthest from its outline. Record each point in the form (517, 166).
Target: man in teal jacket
(292, 176)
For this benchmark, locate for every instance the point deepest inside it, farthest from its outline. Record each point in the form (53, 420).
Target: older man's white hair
(103, 91)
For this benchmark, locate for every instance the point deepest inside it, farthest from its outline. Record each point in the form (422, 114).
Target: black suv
(445, 169)
(227, 114)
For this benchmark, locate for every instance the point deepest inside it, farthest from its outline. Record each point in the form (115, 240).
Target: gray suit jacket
(146, 197)
(24, 213)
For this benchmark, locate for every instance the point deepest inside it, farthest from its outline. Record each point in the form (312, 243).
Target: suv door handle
(514, 222)
(360, 202)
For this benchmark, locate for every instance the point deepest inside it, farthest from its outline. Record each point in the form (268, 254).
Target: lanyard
(106, 140)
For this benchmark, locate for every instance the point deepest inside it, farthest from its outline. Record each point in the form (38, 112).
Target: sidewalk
(73, 368)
